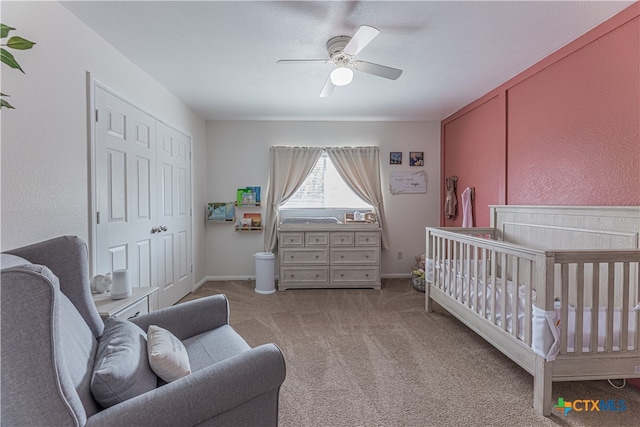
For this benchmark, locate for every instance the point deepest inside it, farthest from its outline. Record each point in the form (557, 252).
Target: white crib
(555, 289)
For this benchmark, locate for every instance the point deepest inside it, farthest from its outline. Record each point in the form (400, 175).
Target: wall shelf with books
(248, 205)
(221, 212)
(250, 221)
(247, 198)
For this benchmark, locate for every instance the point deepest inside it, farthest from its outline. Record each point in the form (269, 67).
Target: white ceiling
(220, 57)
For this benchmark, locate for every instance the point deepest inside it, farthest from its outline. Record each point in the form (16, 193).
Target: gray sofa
(51, 333)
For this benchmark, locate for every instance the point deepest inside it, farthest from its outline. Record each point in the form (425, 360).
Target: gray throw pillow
(121, 370)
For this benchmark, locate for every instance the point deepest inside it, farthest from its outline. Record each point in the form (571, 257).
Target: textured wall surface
(475, 152)
(568, 132)
(573, 127)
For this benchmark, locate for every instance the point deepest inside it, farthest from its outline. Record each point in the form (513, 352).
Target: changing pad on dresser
(310, 220)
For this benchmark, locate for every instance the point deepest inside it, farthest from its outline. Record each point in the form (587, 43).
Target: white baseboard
(249, 277)
(396, 276)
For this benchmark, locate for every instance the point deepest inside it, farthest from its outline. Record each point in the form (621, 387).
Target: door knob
(155, 230)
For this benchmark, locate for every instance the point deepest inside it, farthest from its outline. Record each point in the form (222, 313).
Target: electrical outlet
(399, 255)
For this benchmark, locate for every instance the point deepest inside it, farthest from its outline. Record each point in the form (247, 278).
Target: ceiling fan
(341, 50)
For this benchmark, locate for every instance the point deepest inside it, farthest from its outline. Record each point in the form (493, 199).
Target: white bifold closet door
(143, 198)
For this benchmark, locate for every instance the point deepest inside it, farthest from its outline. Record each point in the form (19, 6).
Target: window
(324, 188)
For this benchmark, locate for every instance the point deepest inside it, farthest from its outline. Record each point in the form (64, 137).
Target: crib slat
(474, 281)
(515, 294)
(503, 290)
(564, 306)
(527, 304)
(595, 312)
(608, 339)
(579, 308)
(484, 283)
(493, 293)
(624, 326)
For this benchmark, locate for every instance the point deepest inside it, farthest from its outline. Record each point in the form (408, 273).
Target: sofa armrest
(189, 318)
(206, 393)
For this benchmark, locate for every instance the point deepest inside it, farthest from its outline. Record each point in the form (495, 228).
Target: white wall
(238, 156)
(45, 173)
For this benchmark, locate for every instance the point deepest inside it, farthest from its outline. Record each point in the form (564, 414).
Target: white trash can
(265, 273)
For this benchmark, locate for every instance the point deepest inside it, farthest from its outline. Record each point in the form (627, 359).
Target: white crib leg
(542, 386)
(428, 302)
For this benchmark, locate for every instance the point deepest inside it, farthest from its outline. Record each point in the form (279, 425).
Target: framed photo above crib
(416, 158)
(395, 158)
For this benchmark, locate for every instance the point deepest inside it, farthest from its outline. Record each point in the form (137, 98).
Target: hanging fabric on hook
(467, 209)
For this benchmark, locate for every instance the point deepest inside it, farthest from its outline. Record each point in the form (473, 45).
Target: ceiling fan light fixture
(341, 76)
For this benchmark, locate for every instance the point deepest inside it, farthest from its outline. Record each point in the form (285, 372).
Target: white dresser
(329, 256)
(138, 303)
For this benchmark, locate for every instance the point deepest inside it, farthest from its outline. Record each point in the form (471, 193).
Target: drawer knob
(317, 275)
(317, 256)
(342, 275)
(342, 240)
(341, 256)
(317, 240)
(366, 275)
(291, 256)
(366, 256)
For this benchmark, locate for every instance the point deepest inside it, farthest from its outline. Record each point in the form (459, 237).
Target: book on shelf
(245, 223)
(256, 219)
(256, 191)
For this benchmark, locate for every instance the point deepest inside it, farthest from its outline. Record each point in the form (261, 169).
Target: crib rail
(593, 292)
(601, 287)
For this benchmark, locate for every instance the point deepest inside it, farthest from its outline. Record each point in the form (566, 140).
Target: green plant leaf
(4, 30)
(5, 104)
(17, 42)
(4, 94)
(7, 58)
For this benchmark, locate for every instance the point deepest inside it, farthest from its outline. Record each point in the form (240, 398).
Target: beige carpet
(375, 358)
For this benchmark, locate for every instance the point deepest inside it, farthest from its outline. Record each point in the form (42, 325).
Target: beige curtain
(289, 168)
(360, 169)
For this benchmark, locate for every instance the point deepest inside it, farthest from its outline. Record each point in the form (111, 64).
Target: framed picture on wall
(416, 158)
(395, 158)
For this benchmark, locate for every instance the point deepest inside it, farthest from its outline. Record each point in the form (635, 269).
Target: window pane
(324, 188)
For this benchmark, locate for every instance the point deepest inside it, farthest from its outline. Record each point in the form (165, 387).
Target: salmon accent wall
(574, 127)
(564, 132)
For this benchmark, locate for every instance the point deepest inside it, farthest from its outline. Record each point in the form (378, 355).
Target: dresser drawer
(355, 255)
(304, 275)
(354, 275)
(304, 256)
(291, 239)
(140, 307)
(316, 238)
(341, 239)
(364, 238)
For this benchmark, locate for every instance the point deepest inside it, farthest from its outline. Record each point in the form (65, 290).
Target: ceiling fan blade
(377, 69)
(360, 39)
(303, 61)
(327, 89)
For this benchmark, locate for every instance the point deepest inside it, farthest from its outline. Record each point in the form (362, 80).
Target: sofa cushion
(214, 346)
(167, 356)
(122, 368)
(8, 261)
